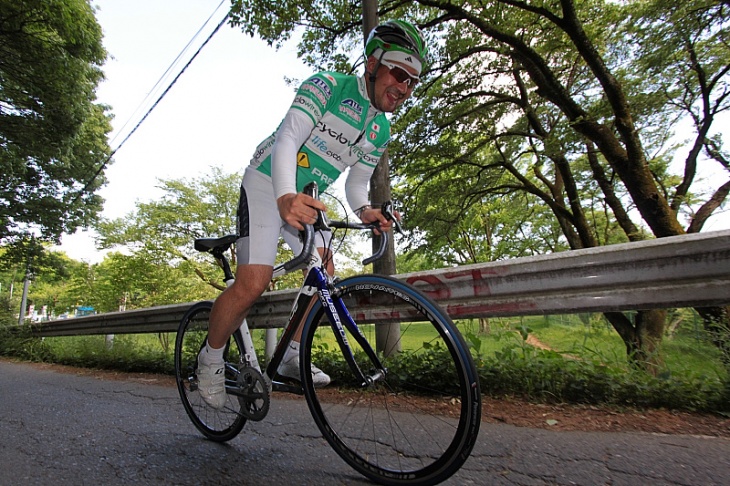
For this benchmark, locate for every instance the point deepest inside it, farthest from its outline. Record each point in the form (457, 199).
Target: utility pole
(380, 180)
(387, 336)
(24, 299)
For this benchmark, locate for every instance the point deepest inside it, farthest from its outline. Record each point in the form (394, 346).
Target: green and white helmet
(400, 38)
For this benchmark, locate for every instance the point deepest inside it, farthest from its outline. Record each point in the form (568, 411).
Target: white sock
(292, 352)
(211, 355)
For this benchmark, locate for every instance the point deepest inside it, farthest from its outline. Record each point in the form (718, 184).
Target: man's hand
(299, 209)
(372, 215)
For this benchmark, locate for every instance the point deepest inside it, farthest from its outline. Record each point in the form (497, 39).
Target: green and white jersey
(347, 131)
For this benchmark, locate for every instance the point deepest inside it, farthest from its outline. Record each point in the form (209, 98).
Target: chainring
(253, 394)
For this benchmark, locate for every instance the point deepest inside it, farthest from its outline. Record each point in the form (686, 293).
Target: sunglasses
(401, 75)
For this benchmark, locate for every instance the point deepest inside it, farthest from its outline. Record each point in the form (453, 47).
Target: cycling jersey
(346, 132)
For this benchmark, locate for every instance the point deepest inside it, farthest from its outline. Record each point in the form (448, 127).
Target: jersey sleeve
(292, 133)
(356, 185)
(315, 95)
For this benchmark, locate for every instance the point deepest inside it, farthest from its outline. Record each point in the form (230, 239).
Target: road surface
(69, 429)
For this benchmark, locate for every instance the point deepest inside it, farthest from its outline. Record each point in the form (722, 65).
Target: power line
(167, 71)
(172, 83)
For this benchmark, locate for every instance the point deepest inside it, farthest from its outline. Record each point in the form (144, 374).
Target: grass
(687, 352)
(586, 361)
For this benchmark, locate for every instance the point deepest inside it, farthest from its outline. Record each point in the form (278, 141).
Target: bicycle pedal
(293, 387)
(193, 382)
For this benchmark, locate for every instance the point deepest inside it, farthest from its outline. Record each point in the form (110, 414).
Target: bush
(547, 376)
(130, 353)
(18, 342)
(514, 369)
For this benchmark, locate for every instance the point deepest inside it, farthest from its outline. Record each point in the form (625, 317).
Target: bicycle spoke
(218, 425)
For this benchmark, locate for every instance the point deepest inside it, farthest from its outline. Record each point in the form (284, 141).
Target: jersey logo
(303, 160)
(322, 85)
(354, 105)
(351, 109)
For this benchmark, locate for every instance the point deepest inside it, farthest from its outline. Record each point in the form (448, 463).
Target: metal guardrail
(680, 271)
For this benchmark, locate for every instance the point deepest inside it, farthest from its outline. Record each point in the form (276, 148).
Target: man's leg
(229, 310)
(232, 306)
(290, 364)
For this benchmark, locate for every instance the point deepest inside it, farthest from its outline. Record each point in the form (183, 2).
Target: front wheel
(417, 424)
(217, 425)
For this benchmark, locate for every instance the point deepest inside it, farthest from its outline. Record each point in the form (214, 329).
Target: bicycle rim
(419, 424)
(218, 425)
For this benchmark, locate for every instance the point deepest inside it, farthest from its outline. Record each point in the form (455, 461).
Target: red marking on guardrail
(436, 286)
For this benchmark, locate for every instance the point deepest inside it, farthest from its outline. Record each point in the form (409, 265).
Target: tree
(569, 102)
(50, 274)
(162, 231)
(52, 133)
(125, 282)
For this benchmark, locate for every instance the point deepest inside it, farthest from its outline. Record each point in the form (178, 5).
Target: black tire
(217, 425)
(417, 426)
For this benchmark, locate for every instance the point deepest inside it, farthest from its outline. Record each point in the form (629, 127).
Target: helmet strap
(371, 79)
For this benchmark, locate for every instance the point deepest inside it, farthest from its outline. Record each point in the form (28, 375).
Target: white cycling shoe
(290, 369)
(212, 383)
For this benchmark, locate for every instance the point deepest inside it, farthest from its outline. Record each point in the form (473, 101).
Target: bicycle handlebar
(323, 223)
(217, 246)
(308, 244)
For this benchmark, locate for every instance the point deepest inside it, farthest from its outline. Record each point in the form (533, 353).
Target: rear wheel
(419, 423)
(218, 425)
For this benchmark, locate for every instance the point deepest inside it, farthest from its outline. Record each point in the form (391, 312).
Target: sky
(229, 99)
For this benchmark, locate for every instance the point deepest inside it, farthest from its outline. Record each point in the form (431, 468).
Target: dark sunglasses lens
(402, 76)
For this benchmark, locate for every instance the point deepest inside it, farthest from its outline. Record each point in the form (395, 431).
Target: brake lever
(322, 223)
(387, 210)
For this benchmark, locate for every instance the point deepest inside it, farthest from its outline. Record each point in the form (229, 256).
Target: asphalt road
(65, 429)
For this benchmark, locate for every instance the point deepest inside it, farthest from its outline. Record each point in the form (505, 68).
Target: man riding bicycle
(335, 122)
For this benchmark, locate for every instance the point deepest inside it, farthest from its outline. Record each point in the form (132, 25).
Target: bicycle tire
(217, 425)
(414, 427)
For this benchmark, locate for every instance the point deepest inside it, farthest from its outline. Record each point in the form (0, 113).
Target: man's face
(390, 93)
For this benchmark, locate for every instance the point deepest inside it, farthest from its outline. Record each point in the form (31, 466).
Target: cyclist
(335, 122)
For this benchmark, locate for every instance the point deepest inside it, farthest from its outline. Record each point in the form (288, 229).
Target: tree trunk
(717, 324)
(642, 338)
(484, 326)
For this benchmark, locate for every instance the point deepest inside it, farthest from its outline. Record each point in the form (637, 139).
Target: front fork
(340, 319)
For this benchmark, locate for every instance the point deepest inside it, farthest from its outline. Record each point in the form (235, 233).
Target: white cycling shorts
(259, 225)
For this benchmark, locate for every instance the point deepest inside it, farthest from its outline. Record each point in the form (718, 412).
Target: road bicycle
(404, 404)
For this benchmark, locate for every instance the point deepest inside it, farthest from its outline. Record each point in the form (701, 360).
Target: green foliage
(507, 365)
(53, 134)
(128, 353)
(585, 363)
(544, 375)
(18, 342)
(325, 24)
(164, 229)
(163, 267)
(410, 371)
(517, 369)
(542, 126)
